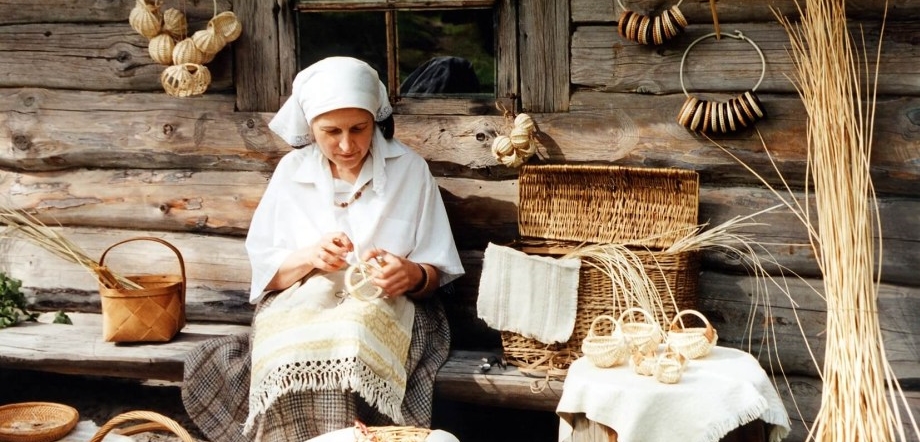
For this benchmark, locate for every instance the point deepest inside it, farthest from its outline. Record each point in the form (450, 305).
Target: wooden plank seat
(79, 349)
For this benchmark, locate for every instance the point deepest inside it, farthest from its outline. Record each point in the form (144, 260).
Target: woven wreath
(185, 55)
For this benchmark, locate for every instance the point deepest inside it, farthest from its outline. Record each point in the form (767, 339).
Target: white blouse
(400, 211)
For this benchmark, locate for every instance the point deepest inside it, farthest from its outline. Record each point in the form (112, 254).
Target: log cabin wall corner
(89, 140)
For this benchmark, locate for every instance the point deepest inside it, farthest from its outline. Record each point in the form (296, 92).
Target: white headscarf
(329, 84)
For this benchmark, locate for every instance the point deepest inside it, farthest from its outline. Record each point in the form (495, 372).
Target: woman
(352, 198)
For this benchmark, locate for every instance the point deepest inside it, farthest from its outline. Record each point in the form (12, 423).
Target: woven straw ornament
(145, 18)
(175, 23)
(185, 80)
(161, 48)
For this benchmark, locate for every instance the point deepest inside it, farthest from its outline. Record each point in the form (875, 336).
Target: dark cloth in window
(442, 75)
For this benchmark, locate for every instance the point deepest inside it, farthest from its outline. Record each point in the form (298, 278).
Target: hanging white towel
(534, 296)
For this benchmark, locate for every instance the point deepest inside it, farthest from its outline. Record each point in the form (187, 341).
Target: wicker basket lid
(649, 207)
(36, 421)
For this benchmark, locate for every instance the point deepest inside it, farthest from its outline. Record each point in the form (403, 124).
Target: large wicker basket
(564, 206)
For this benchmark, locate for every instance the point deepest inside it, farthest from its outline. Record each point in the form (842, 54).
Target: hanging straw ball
(208, 42)
(145, 18)
(226, 25)
(186, 52)
(520, 137)
(501, 146)
(175, 23)
(161, 48)
(185, 80)
(525, 122)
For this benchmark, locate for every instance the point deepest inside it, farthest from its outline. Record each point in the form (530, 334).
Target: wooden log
(601, 59)
(100, 57)
(79, 11)
(127, 130)
(480, 211)
(757, 316)
(741, 12)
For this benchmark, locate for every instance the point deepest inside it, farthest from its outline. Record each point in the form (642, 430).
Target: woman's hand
(328, 254)
(397, 276)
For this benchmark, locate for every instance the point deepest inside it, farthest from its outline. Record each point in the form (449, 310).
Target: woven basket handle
(709, 330)
(645, 314)
(157, 422)
(154, 239)
(613, 322)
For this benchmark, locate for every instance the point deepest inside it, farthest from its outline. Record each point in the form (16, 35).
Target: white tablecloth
(716, 394)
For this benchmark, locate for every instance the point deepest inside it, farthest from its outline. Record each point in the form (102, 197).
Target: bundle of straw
(856, 372)
(23, 225)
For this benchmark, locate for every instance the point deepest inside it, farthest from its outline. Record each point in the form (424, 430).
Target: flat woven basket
(36, 421)
(564, 206)
(646, 207)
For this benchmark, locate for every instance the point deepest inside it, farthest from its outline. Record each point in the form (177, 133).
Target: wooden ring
(624, 18)
(697, 115)
(707, 117)
(643, 30)
(632, 26)
(729, 116)
(756, 105)
(670, 31)
(686, 111)
(679, 17)
(739, 113)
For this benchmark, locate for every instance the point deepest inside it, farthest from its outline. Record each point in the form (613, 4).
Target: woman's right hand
(328, 254)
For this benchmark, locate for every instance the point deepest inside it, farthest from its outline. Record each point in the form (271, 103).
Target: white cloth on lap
(534, 296)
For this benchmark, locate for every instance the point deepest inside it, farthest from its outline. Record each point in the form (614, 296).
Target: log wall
(90, 142)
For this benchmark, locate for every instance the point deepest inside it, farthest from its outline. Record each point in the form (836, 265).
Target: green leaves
(13, 308)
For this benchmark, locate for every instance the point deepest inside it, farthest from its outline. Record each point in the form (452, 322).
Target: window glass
(441, 52)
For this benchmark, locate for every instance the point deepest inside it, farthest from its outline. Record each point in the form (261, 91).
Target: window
(421, 50)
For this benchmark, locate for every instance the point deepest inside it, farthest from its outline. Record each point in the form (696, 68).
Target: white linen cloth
(534, 296)
(310, 338)
(716, 394)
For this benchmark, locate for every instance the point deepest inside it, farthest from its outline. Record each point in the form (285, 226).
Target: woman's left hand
(396, 275)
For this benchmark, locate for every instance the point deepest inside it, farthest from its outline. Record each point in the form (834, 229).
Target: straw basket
(605, 350)
(643, 363)
(36, 421)
(564, 206)
(642, 337)
(156, 422)
(670, 367)
(185, 80)
(692, 342)
(390, 433)
(154, 313)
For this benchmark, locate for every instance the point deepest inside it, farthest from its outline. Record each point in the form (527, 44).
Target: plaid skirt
(215, 390)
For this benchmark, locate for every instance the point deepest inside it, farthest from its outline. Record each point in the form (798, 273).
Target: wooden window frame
(532, 63)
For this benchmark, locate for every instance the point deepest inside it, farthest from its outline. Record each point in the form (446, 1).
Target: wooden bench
(79, 350)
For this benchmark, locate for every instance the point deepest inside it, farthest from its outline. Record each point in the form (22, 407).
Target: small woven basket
(605, 350)
(670, 367)
(390, 433)
(692, 342)
(36, 421)
(643, 363)
(185, 80)
(642, 337)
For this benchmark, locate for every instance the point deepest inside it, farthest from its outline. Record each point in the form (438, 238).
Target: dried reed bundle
(857, 377)
(24, 225)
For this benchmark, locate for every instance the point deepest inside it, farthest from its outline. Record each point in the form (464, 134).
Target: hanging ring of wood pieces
(651, 30)
(722, 117)
(185, 55)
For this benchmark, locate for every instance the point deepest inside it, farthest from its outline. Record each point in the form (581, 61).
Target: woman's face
(344, 136)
